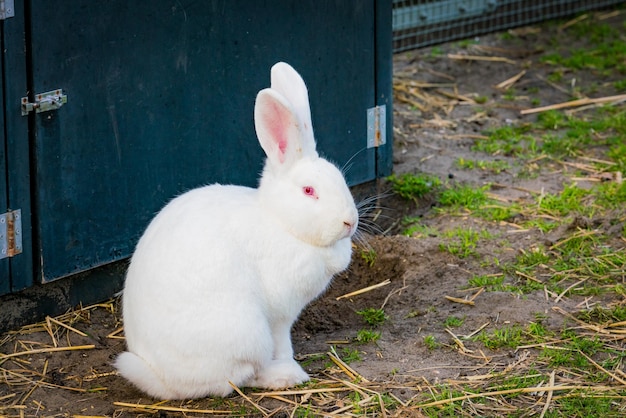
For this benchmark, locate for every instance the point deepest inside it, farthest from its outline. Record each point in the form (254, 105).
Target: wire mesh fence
(419, 23)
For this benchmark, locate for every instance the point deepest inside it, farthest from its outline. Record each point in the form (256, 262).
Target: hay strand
(508, 83)
(250, 401)
(115, 335)
(364, 290)
(481, 58)
(61, 324)
(575, 103)
(549, 396)
(301, 391)
(46, 350)
(599, 367)
(349, 371)
(165, 408)
(459, 300)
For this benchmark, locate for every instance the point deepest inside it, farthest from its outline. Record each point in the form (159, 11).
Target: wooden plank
(5, 279)
(18, 143)
(384, 77)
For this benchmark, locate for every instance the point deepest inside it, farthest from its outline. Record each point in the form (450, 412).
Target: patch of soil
(425, 283)
(421, 277)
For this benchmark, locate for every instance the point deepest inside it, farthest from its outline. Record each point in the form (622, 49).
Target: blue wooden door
(160, 99)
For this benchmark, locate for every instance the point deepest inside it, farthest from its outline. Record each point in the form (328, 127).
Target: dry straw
(340, 390)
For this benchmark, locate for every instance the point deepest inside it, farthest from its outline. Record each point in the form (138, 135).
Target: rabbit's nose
(350, 227)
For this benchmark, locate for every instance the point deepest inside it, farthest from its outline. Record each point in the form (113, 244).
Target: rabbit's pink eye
(309, 191)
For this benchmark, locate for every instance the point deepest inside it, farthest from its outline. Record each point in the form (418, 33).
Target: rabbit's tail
(138, 372)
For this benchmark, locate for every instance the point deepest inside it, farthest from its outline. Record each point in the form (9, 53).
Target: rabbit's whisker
(347, 165)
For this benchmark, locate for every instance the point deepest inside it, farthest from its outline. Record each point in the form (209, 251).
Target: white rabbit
(222, 272)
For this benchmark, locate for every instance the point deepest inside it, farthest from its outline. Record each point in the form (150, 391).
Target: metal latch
(10, 233)
(7, 9)
(44, 102)
(376, 126)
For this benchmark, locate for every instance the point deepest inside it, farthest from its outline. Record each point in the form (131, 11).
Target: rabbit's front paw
(280, 374)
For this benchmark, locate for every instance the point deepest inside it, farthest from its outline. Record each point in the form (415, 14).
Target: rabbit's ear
(290, 84)
(279, 129)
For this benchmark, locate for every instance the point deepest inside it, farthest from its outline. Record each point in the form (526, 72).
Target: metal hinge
(376, 126)
(44, 102)
(7, 9)
(10, 233)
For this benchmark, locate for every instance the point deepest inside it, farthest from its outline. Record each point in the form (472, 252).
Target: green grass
(509, 95)
(349, 355)
(583, 405)
(495, 167)
(462, 242)
(414, 228)
(304, 412)
(366, 336)
(617, 153)
(570, 199)
(413, 187)
(373, 317)
(580, 255)
(369, 256)
(542, 224)
(537, 330)
(436, 52)
(431, 342)
(496, 211)
(620, 85)
(558, 136)
(466, 43)
(602, 315)
(491, 283)
(505, 337)
(511, 141)
(528, 259)
(514, 336)
(604, 51)
(453, 322)
(313, 359)
(451, 409)
(464, 196)
(610, 195)
(574, 354)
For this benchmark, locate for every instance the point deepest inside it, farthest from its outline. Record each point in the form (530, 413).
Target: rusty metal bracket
(376, 126)
(10, 234)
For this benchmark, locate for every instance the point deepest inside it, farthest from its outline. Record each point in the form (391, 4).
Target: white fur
(222, 272)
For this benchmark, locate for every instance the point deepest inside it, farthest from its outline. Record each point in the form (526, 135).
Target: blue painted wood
(5, 278)
(384, 77)
(17, 145)
(160, 100)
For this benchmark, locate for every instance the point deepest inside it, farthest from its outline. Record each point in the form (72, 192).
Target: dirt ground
(425, 285)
